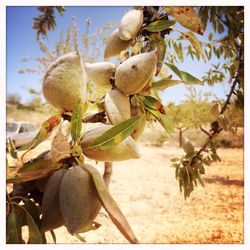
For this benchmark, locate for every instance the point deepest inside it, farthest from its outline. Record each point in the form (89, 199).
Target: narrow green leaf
(204, 19)
(174, 69)
(185, 76)
(110, 205)
(195, 43)
(152, 102)
(187, 17)
(60, 147)
(116, 134)
(31, 207)
(210, 37)
(35, 236)
(164, 120)
(159, 25)
(14, 228)
(43, 134)
(165, 83)
(37, 164)
(161, 50)
(220, 27)
(76, 122)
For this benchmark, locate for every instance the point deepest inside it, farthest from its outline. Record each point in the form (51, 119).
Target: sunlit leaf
(116, 134)
(152, 103)
(186, 77)
(110, 205)
(76, 122)
(60, 148)
(165, 83)
(204, 18)
(163, 119)
(43, 134)
(33, 170)
(187, 17)
(195, 43)
(161, 50)
(14, 228)
(154, 107)
(159, 25)
(37, 164)
(137, 47)
(189, 79)
(210, 37)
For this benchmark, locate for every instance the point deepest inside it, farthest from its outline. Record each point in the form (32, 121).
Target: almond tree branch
(216, 132)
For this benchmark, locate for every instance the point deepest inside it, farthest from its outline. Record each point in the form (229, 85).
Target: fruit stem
(108, 166)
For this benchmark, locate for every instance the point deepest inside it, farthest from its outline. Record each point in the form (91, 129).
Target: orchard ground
(148, 194)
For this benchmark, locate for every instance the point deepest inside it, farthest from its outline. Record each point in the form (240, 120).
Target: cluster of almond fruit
(70, 195)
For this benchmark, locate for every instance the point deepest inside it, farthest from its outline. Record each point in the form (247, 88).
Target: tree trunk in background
(180, 137)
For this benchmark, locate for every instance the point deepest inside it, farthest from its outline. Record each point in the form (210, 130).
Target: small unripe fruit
(100, 73)
(130, 24)
(64, 83)
(78, 200)
(223, 122)
(115, 45)
(187, 146)
(52, 216)
(215, 110)
(133, 75)
(117, 106)
(125, 150)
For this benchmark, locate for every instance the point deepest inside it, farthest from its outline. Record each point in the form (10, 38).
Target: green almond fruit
(52, 217)
(130, 24)
(78, 200)
(133, 75)
(64, 84)
(100, 73)
(115, 45)
(125, 150)
(117, 106)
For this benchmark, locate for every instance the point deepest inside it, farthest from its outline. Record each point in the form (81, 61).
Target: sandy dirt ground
(149, 196)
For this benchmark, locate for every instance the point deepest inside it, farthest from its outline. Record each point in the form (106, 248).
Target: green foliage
(110, 205)
(159, 24)
(190, 168)
(76, 122)
(184, 76)
(46, 20)
(116, 134)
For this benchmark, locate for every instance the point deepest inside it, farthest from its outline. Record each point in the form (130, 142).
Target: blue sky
(21, 42)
